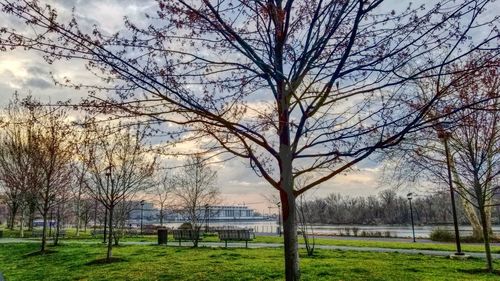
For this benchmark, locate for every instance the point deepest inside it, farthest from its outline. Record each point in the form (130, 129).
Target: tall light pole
(95, 217)
(108, 175)
(445, 135)
(207, 217)
(142, 213)
(279, 217)
(411, 215)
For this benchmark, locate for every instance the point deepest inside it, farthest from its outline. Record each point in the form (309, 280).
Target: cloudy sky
(26, 72)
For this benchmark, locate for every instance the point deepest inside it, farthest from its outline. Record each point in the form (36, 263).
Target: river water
(402, 231)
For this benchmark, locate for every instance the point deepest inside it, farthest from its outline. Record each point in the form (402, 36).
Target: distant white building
(230, 213)
(149, 212)
(212, 213)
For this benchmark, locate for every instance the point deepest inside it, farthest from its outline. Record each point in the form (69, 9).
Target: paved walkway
(269, 245)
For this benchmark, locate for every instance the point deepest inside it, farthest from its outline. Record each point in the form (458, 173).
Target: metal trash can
(162, 236)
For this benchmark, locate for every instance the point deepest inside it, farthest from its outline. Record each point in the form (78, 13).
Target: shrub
(442, 235)
(186, 225)
(355, 231)
(347, 231)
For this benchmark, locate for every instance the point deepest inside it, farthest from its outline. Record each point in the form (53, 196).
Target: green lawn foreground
(148, 262)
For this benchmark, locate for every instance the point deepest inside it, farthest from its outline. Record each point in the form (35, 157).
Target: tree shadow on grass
(104, 261)
(479, 271)
(40, 253)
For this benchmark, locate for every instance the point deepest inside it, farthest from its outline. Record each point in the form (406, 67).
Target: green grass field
(85, 236)
(141, 262)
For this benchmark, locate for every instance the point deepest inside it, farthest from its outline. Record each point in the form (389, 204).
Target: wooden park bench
(131, 232)
(149, 230)
(62, 233)
(96, 232)
(37, 233)
(186, 235)
(236, 235)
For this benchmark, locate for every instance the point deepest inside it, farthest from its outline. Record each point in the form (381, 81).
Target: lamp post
(50, 222)
(108, 175)
(409, 195)
(95, 217)
(279, 217)
(207, 217)
(142, 213)
(445, 135)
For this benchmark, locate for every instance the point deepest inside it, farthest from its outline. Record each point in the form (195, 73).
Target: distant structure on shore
(212, 213)
(231, 213)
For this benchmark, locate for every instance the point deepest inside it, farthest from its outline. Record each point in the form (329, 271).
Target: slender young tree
(472, 138)
(14, 161)
(162, 193)
(80, 171)
(118, 168)
(195, 188)
(51, 152)
(294, 87)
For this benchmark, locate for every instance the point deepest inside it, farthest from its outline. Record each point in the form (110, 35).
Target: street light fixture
(409, 195)
(142, 213)
(445, 135)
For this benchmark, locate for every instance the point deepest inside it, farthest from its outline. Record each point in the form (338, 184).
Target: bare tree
(163, 192)
(51, 153)
(121, 215)
(86, 212)
(475, 146)
(118, 168)
(35, 158)
(14, 160)
(196, 188)
(294, 87)
(80, 172)
(305, 226)
(304, 221)
(470, 145)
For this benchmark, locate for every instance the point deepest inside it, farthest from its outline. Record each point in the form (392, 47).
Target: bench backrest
(185, 234)
(235, 234)
(97, 232)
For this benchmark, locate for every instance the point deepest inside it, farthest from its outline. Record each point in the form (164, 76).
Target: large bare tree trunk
(474, 220)
(469, 210)
(288, 205)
